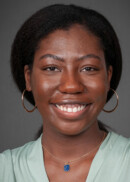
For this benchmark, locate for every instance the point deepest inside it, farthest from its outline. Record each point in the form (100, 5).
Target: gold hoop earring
(24, 105)
(117, 98)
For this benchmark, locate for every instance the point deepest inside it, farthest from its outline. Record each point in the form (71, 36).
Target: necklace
(67, 164)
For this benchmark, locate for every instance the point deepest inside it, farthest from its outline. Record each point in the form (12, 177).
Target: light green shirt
(26, 164)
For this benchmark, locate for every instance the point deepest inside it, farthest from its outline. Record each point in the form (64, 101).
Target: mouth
(71, 107)
(71, 110)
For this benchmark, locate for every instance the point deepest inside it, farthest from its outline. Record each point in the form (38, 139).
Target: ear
(109, 75)
(27, 75)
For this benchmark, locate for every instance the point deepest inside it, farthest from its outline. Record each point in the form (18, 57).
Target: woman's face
(69, 80)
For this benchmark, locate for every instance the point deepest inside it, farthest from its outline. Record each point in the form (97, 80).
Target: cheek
(42, 89)
(97, 88)
(100, 93)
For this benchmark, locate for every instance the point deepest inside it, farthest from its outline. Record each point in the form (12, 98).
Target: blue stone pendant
(66, 167)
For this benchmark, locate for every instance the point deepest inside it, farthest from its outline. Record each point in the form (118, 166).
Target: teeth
(70, 108)
(75, 109)
(65, 109)
(79, 108)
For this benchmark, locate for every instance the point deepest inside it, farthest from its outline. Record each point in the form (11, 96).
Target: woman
(66, 61)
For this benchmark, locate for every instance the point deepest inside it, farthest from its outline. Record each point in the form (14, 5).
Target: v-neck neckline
(98, 160)
(94, 168)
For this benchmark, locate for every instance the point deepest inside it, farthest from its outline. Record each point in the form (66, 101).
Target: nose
(71, 84)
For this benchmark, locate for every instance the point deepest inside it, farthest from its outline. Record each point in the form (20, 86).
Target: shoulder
(20, 152)
(117, 146)
(112, 162)
(5, 166)
(117, 155)
(12, 160)
(119, 143)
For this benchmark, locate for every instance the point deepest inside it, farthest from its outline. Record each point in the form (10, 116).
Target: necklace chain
(77, 159)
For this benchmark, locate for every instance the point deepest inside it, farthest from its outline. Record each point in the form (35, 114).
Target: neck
(70, 147)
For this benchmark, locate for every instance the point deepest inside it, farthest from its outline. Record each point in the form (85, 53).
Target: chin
(74, 129)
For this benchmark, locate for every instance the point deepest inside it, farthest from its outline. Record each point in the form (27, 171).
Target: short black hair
(59, 16)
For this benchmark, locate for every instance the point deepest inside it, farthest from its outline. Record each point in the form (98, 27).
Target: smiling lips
(71, 107)
(71, 111)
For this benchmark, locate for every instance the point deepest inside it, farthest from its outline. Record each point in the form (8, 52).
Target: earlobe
(27, 75)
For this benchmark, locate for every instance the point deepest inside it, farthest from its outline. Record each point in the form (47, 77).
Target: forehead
(76, 38)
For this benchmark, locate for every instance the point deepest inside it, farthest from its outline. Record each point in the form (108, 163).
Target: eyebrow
(90, 56)
(52, 56)
(62, 60)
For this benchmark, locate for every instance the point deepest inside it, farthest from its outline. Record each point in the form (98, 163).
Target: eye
(89, 69)
(51, 68)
